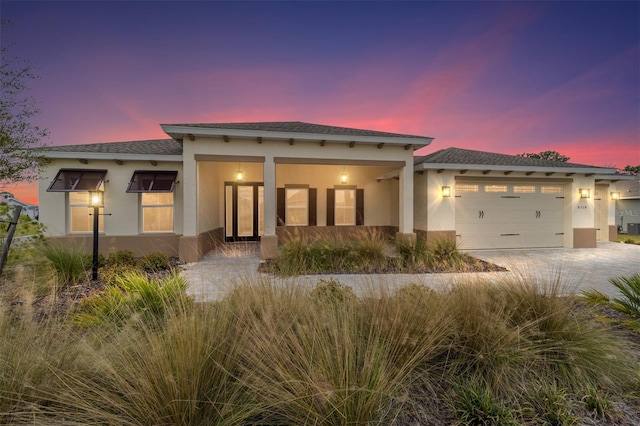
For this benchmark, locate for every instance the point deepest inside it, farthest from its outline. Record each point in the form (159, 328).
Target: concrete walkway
(577, 269)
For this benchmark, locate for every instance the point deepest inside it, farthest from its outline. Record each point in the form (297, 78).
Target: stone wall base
(140, 245)
(584, 238)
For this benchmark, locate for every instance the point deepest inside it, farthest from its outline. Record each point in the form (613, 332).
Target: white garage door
(509, 215)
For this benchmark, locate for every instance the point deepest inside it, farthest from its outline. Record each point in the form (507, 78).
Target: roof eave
(449, 166)
(179, 132)
(110, 156)
(613, 177)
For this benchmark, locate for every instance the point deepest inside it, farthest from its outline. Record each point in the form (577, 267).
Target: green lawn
(629, 239)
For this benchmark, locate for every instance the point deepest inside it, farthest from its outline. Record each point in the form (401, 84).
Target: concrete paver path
(577, 269)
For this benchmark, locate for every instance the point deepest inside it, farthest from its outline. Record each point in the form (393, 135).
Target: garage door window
(495, 188)
(551, 189)
(465, 187)
(524, 189)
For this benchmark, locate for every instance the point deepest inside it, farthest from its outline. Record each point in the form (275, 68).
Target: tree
(19, 137)
(632, 170)
(546, 155)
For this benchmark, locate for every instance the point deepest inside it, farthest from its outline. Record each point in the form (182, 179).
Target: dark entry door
(244, 219)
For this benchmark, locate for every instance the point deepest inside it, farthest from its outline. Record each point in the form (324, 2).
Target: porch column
(269, 241)
(406, 203)
(188, 246)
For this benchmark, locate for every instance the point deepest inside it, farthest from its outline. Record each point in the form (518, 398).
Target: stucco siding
(122, 209)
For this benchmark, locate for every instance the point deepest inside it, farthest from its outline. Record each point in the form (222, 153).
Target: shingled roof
(295, 127)
(470, 157)
(156, 147)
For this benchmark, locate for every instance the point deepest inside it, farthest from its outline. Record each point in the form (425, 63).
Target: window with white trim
(157, 211)
(345, 207)
(297, 206)
(80, 214)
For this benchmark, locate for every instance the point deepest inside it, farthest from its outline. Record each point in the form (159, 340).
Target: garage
(499, 214)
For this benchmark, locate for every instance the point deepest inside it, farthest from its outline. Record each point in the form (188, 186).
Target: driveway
(577, 269)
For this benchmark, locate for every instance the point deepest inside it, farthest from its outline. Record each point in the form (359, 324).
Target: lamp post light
(96, 200)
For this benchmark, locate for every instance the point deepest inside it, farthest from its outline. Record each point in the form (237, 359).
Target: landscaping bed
(133, 349)
(369, 252)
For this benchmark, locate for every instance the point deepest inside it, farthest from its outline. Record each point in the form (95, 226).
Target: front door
(244, 219)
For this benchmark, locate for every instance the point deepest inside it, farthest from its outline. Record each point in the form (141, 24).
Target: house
(30, 210)
(628, 206)
(222, 182)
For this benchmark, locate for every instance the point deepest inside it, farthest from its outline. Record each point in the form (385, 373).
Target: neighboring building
(30, 210)
(628, 206)
(212, 183)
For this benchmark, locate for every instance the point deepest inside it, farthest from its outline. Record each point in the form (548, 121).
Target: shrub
(598, 404)
(332, 292)
(30, 353)
(70, 264)
(437, 256)
(328, 253)
(186, 373)
(414, 255)
(512, 332)
(320, 363)
(477, 406)
(275, 352)
(134, 294)
(551, 405)
(594, 297)
(121, 258)
(629, 303)
(154, 262)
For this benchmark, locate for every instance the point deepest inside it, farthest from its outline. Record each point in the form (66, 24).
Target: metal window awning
(77, 180)
(152, 181)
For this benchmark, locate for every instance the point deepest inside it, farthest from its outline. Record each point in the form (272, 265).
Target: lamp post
(96, 200)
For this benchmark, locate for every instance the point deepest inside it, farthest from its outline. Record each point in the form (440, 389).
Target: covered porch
(253, 181)
(246, 198)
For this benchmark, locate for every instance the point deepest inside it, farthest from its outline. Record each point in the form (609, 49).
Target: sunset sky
(506, 77)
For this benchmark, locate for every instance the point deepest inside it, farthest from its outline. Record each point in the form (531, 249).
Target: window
(495, 188)
(464, 187)
(152, 181)
(297, 206)
(70, 180)
(81, 215)
(156, 198)
(524, 189)
(551, 189)
(345, 207)
(157, 212)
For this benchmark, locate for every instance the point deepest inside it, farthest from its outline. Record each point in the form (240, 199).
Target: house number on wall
(582, 207)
